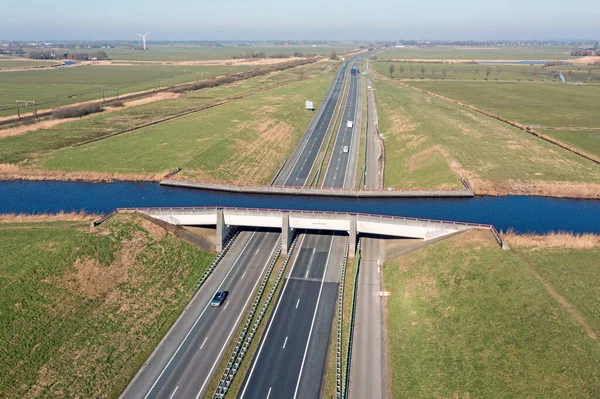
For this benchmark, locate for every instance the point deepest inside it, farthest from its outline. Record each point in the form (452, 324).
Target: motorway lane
(186, 358)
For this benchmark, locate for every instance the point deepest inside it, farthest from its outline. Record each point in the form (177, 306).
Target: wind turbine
(143, 38)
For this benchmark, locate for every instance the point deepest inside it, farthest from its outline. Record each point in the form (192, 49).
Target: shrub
(77, 111)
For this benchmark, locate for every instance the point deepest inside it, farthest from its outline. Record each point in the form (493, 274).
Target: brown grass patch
(58, 217)
(22, 129)
(420, 159)
(154, 230)
(547, 189)
(17, 172)
(553, 240)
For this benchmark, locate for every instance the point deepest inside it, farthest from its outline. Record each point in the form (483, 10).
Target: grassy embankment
(33, 145)
(432, 143)
(20, 63)
(466, 53)
(83, 308)
(468, 319)
(62, 86)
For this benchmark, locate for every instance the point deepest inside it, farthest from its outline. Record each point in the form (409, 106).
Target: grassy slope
(418, 129)
(7, 64)
(586, 140)
(511, 53)
(31, 145)
(244, 141)
(61, 86)
(468, 320)
(82, 329)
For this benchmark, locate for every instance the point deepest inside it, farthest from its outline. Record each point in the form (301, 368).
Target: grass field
(6, 64)
(479, 72)
(200, 53)
(465, 53)
(83, 308)
(432, 143)
(55, 87)
(588, 140)
(469, 320)
(243, 141)
(32, 145)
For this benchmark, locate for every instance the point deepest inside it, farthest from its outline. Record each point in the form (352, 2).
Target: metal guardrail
(339, 387)
(233, 233)
(278, 171)
(173, 172)
(352, 317)
(250, 329)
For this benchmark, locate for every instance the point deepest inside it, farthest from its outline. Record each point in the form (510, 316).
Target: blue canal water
(520, 213)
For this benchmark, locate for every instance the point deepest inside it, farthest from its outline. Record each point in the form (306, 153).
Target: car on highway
(219, 298)
(345, 149)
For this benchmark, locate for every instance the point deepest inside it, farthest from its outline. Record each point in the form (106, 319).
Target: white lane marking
(312, 324)
(203, 342)
(269, 394)
(218, 359)
(297, 303)
(378, 270)
(198, 319)
(225, 307)
(173, 394)
(285, 342)
(266, 334)
(244, 275)
(258, 249)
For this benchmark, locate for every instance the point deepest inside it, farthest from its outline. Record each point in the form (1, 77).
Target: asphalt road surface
(290, 362)
(182, 364)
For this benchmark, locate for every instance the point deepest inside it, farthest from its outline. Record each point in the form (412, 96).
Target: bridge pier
(286, 232)
(352, 237)
(221, 230)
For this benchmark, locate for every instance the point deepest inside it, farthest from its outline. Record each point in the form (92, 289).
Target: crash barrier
(103, 218)
(171, 173)
(230, 238)
(250, 329)
(339, 388)
(278, 171)
(352, 317)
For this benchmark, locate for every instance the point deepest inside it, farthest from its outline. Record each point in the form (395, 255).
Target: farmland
(19, 63)
(83, 308)
(55, 87)
(472, 320)
(484, 53)
(201, 53)
(245, 140)
(432, 143)
(588, 140)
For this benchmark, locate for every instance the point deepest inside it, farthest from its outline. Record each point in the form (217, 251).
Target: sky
(292, 19)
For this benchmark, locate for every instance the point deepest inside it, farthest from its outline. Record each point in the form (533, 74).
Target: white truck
(350, 123)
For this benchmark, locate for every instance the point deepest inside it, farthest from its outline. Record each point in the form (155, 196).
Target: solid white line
(173, 394)
(266, 334)
(243, 275)
(217, 360)
(285, 342)
(203, 342)
(269, 394)
(312, 324)
(197, 320)
(297, 303)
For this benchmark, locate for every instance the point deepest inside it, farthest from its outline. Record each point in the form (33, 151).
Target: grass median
(83, 308)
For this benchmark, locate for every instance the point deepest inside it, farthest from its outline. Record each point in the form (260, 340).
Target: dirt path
(578, 317)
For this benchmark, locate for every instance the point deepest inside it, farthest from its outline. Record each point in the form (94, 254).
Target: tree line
(50, 54)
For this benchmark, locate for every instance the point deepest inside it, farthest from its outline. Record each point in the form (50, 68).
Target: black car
(219, 298)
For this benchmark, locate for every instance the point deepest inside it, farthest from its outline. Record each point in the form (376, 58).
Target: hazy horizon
(307, 20)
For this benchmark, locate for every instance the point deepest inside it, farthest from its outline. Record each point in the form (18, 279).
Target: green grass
(56, 87)
(474, 72)
(464, 53)
(82, 309)
(31, 145)
(551, 105)
(425, 135)
(468, 320)
(6, 64)
(587, 140)
(200, 53)
(243, 141)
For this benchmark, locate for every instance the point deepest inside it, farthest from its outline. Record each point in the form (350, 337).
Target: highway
(366, 376)
(184, 362)
(305, 309)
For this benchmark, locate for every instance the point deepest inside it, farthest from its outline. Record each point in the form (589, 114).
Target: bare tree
(476, 74)
(589, 74)
(455, 72)
(487, 73)
(443, 74)
(422, 72)
(433, 73)
(401, 69)
(534, 75)
(392, 69)
(497, 73)
(412, 72)
(333, 55)
(569, 75)
(522, 72)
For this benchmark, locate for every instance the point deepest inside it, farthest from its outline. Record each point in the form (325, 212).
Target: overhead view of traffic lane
(186, 368)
